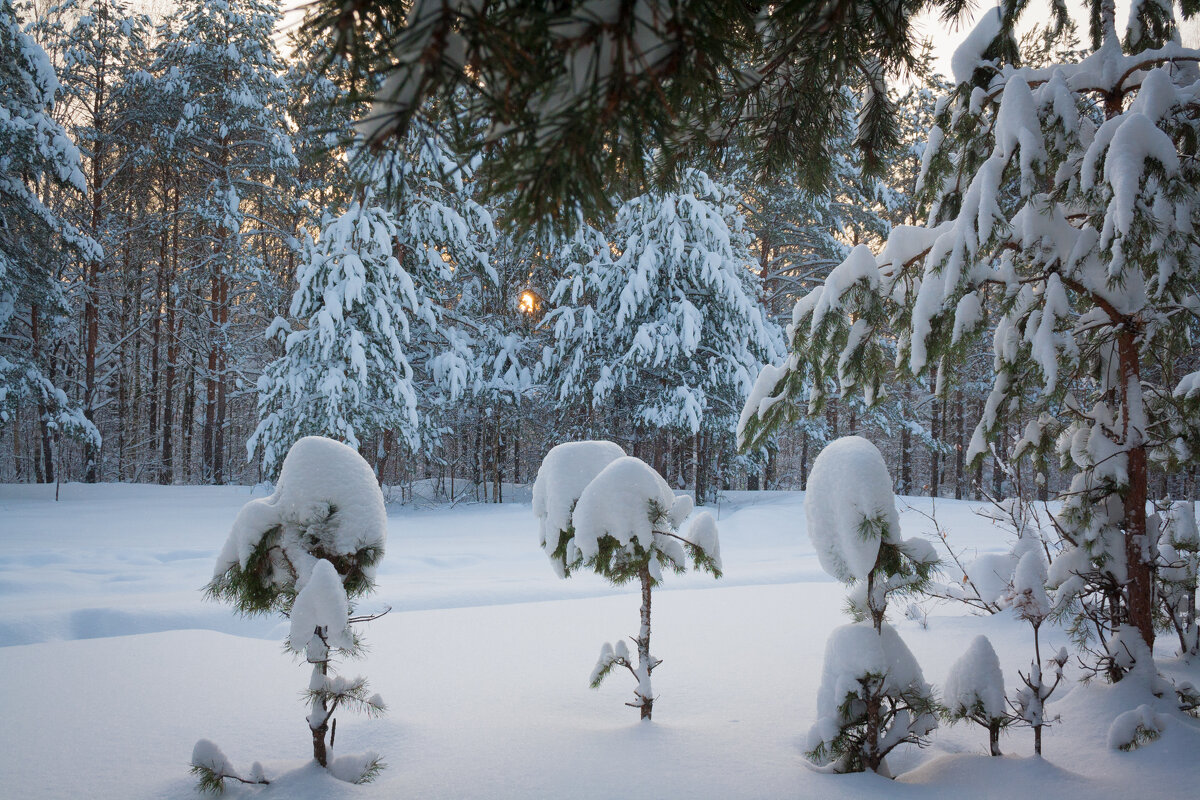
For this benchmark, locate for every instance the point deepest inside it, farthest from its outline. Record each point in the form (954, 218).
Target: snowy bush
(1135, 728)
(975, 691)
(873, 696)
(1178, 569)
(212, 768)
(307, 551)
(615, 515)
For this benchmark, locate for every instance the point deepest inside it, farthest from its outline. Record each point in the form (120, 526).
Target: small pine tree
(307, 551)
(873, 696)
(975, 691)
(622, 521)
(1029, 600)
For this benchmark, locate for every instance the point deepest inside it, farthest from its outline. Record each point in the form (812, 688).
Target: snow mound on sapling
(327, 501)
(1135, 728)
(849, 485)
(565, 472)
(851, 653)
(207, 755)
(703, 534)
(617, 503)
(976, 682)
(322, 603)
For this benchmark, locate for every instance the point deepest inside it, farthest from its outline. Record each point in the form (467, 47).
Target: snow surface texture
(326, 490)
(496, 713)
(849, 485)
(565, 472)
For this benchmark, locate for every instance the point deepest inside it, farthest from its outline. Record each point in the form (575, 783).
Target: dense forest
(217, 263)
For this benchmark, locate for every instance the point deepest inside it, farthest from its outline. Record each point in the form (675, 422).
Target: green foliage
(577, 108)
(209, 781)
(848, 749)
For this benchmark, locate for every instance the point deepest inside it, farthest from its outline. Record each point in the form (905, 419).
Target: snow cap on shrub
(850, 508)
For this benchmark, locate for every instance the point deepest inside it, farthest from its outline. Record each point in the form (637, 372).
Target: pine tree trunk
(935, 476)
(46, 473)
(645, 664)
(905, 460)
(959, 445)
(1140, 587)
(994, 738)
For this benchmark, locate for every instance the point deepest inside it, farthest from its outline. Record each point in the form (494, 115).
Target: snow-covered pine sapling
(212, 768)
(320, 627)
(307, 552)
(1028, 598)
(1135, 728)
(873, 696)
(624, 525)
(975, 691)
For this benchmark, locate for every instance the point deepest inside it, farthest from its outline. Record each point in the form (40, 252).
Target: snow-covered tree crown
(326, 506)
(616, 515)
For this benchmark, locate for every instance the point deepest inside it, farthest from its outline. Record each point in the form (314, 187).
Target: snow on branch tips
(308, 551)
(615, 515)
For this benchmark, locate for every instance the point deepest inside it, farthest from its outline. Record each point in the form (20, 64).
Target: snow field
(484, 664)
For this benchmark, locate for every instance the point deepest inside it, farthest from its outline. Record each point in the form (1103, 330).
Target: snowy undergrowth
(473, 714)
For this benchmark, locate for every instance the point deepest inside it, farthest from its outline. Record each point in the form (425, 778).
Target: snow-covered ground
(114, 665)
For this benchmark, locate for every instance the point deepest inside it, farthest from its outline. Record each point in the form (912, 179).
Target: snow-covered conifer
(36, 154)
(661, 317)
(615, 515)
(308, 551)
(1063, 202)
(873, 696)
(345, 374)
(975, 690)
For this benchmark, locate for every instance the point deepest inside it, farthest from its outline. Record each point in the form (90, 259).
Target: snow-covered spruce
(306, 551)
(624, 526)
(975, 691)
(345, 373)
(36, 154)
(873, 696)
(659, 316)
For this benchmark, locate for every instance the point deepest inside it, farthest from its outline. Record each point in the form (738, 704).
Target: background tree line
(217, 173)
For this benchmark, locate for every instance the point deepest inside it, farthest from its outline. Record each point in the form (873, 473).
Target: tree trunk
(905, 460)
(645, 660)
(959, 446)
(1140, 587)
(935, 476)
